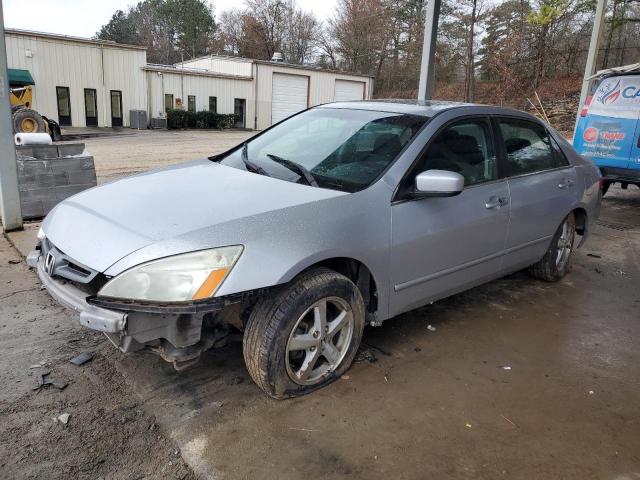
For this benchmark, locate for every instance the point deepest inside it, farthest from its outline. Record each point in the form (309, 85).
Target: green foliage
(178, 118)
(170, 29)
(547, 12)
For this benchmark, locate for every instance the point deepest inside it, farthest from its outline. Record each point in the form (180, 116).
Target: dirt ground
(118, 156)
(516, 379)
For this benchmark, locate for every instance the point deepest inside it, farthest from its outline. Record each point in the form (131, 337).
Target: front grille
(59, 265)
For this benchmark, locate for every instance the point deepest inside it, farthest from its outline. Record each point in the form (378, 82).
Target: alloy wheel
(319, 341)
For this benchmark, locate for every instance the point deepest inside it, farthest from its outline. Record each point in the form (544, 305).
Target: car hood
(100, 226)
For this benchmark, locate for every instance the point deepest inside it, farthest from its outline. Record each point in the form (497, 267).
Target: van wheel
(555, 263)
(305, 335)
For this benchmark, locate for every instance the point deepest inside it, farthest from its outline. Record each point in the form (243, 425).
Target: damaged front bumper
(175, 332)
(70, 296)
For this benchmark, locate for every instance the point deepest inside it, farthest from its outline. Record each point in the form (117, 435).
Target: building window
(168, 102)
(213, 104)
(191, 103)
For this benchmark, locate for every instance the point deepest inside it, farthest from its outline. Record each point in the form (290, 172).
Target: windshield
(331, 148)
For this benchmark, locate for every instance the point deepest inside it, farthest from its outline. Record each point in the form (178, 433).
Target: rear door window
(529, 148)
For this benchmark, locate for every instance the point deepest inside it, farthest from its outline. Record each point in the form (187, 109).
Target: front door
(239, 110)
(91, 107)
(441, 246)
(64, 106)
(542, 184)
(116, 108)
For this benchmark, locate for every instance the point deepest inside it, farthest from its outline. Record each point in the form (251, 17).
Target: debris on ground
(365, 355)
(417, 349)
(386, 377)
(505, 367)
(345, 377)
(14, 262)
(468, 425)
(591, 392)
(63, 418)
(81, 359)
(378, 349)
(512, 423)
(593, 255)
(45, 381)
(431, 328)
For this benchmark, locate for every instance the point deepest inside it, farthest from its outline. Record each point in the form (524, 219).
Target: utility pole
(9, 193)
(592, 56)
(425, 87)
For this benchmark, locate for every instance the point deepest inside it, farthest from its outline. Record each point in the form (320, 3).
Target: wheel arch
(356, 271)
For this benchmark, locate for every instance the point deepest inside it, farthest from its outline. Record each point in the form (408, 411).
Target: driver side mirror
(438, 183)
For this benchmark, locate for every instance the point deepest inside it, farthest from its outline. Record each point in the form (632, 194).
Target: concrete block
(70, 149)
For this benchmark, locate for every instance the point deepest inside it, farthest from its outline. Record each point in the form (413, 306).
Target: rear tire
(288, 349)
(556, 262)
(26, 120)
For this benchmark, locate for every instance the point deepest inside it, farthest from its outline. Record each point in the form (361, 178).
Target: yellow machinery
(27, 120)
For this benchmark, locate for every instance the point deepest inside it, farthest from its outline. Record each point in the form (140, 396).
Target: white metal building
(82, 82)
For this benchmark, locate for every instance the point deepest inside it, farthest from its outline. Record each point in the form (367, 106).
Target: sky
(83, 18)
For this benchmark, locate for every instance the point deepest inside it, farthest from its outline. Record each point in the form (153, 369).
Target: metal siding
(321, 88)
(78, 66)
(220, 64)
(225, 89)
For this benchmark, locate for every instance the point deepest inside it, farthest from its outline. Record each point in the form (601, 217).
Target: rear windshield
(341, 149)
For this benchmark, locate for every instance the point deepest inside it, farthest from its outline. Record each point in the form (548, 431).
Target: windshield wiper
(249, 164)
(296, 167)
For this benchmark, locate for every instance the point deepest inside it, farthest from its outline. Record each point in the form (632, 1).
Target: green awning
(20, 78)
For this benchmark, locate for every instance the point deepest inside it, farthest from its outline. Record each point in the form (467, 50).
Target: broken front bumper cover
(70, 296)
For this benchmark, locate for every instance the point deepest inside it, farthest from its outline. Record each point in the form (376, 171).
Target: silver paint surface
(417, 251)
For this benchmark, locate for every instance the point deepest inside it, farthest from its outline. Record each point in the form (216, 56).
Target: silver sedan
(343, 215)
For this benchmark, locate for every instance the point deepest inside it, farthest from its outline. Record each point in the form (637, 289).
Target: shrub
(178, 118)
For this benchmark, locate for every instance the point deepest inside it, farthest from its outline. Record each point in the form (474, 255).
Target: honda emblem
(49, 263)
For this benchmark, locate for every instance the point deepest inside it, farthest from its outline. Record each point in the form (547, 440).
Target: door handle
(495, 202)
(566, 183)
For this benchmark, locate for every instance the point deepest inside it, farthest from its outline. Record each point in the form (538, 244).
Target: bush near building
(177, 118)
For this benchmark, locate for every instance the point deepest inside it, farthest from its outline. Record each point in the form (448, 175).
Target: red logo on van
(612, 135)
(590, 134)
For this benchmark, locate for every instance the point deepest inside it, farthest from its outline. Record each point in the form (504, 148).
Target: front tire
(556, 262)
(305, 335)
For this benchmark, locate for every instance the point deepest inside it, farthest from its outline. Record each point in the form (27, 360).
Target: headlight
(189, 276)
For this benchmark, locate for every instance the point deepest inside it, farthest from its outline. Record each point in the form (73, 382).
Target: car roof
(413, 107)
(420, 107)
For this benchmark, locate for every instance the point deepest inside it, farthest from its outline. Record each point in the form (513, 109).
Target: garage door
(347, 90)
(289, 95)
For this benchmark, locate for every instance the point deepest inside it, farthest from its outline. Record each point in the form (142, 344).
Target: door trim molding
(412, 283)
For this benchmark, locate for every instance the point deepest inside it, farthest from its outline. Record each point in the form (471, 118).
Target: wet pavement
(516, 379)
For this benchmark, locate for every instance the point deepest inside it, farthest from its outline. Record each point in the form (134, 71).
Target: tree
(170, 29)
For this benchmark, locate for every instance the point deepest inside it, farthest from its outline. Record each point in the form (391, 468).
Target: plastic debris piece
(506, 367)
(468, 425)
(345, 377)
(431, 328)
(63, 418)
(591, 392)
(81, 359)
(44, 381)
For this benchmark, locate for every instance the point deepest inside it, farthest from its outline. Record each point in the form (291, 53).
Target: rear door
(542, 187)
(607, 134)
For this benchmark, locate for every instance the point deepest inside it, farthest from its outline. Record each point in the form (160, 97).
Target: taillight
(585, 107)
(601, 183)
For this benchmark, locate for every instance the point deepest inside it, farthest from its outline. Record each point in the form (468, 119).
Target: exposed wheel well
(359, 274)
(580, 215)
